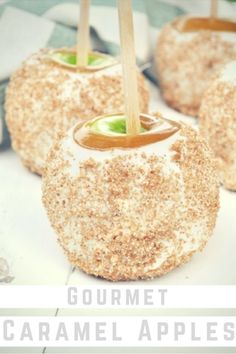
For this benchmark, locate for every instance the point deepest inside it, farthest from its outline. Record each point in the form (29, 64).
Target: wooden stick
(214, 9)
(83, 34)
(129, 67)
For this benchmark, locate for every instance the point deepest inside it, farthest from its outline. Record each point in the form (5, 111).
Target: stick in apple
(129, 67)
(83, 34)
(214, 9)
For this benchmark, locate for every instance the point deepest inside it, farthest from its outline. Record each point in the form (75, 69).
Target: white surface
(29, 244)
(26, 239)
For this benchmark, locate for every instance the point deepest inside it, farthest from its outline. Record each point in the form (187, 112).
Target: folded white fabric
(105, 21)
(201, 7)
(22, 34)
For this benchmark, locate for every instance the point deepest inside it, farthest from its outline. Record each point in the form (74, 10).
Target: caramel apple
(129, 207)
(48, 94)
(190, 51)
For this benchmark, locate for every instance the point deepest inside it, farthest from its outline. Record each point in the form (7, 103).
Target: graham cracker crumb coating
(44, 99)
(133, 215)
(217, 119)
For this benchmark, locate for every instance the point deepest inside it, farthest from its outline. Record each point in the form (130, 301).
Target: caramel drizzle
(208, 24)
(89, 139)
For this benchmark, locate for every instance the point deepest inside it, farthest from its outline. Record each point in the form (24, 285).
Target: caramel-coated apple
(128, 207)
(190, 51)
(48, 94)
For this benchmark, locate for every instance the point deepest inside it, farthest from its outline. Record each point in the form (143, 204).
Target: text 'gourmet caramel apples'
(217, 119)
(54, 89)
(129, 195)
(189, 53)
